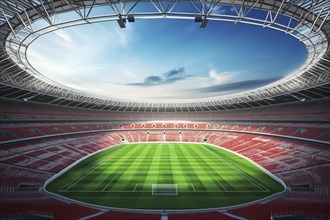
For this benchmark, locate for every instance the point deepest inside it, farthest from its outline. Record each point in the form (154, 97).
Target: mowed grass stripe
(250, 183)
(153, 171)
(123, 176)
(177, 167)
(134, 175)
(81, 173)
(194, 177)
(143, 184)
(165, 175)
(119, 168)
(214, 183)
(110, 171)
(150, 159)
(88, 183)
(214, 174)
(220, 171)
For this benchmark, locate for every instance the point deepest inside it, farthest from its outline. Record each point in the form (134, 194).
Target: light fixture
(202, 20)
(204, 23)
(130, 18)
(121, 22)
(198, 18)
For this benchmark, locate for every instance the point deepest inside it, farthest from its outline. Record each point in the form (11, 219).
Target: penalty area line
(192, 185)
(84, 174)
(219, 183)
(148, 191)
(110, 182)
(136, 185)
(241, 173)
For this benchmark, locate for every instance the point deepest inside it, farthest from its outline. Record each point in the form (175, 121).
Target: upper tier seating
(312, 110)
(14, 131)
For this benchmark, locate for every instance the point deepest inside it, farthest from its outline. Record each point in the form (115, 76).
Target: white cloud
(222, 77)
(219, 9)
(117, 36)
(101, 59)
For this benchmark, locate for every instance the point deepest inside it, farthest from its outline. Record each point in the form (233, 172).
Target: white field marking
(167, 172)
(148, 191)
(158, 158)
(79, 178)
(110, 182)
(175, 172)
(61, 190)
(98, 191)
(260, 186)
(136, 185)
(239, 171)
(219, 183)
(252, 180)
(193, 187)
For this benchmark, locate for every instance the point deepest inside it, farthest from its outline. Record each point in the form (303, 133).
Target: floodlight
(121, 23)
(201, 19)
(198, 18)
(204, 23)
(130, 18)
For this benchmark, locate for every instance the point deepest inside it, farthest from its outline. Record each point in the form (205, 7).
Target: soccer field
(165, 176)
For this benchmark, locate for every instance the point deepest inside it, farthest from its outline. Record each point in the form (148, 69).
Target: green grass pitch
(204, 176)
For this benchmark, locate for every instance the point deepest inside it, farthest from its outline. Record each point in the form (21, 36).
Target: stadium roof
(308, 21)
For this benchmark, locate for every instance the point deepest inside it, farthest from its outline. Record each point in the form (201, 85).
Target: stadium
(167, 110)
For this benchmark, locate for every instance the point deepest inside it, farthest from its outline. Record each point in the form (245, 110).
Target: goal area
(164, 189)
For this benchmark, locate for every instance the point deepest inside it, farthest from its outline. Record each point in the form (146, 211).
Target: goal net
(164, 189)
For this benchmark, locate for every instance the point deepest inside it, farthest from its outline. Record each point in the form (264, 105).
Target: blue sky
(166, 58)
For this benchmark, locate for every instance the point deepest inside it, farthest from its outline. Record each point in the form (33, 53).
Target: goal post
(164, 189)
